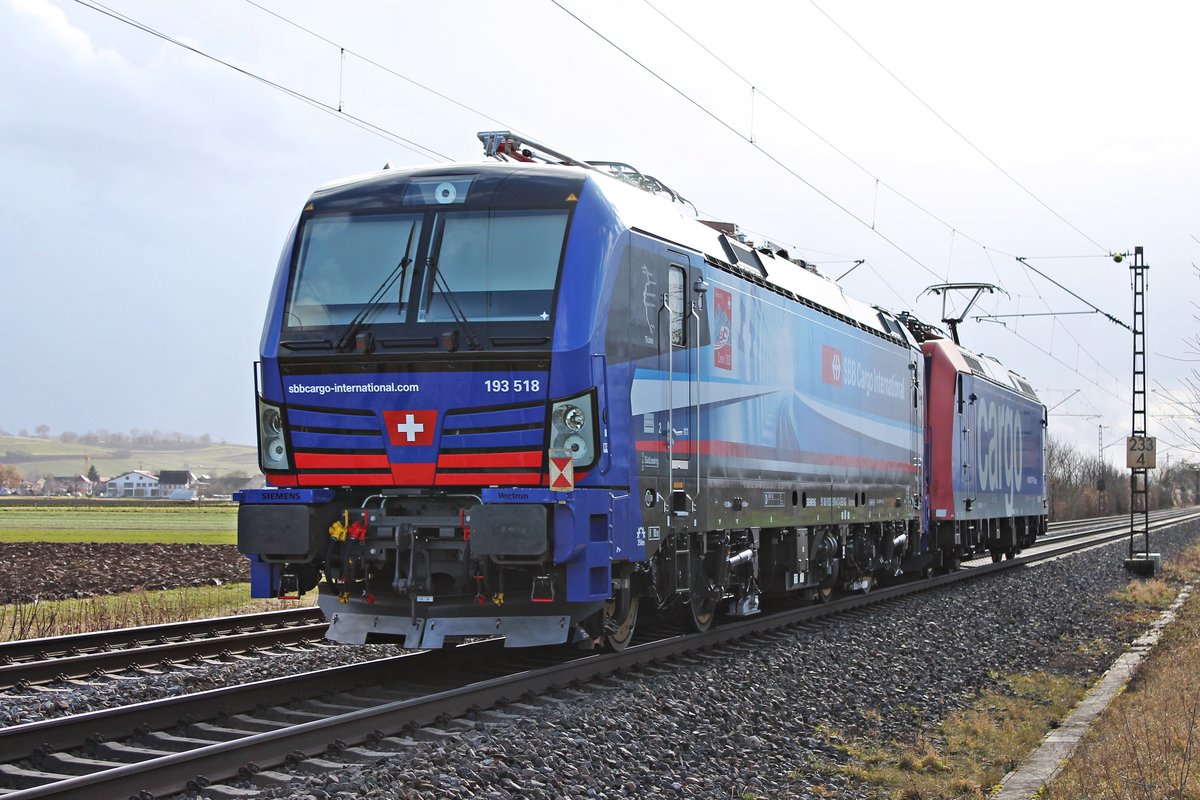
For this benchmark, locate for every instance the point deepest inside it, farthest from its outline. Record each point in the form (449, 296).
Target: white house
(133, 484)
(177, 484)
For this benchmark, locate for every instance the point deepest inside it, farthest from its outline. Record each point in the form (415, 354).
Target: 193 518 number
(518, 385)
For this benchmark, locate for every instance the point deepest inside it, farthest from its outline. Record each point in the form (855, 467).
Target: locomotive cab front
(432, 428)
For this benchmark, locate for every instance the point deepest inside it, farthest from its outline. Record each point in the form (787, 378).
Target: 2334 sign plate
(1140, 452)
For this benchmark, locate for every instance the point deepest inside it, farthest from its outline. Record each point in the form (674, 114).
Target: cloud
(55, 22)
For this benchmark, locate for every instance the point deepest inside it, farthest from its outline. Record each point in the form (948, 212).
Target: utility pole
(1140, 448)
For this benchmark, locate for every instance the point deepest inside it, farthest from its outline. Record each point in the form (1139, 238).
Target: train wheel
(619, 632)
(998, 556)
(700, 607)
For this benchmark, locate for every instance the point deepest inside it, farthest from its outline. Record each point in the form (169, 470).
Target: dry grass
(1145, 750)
(1153, 592)
(1145, 745)
(972, 750)
(64, 617)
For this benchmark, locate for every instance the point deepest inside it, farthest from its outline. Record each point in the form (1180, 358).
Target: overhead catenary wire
(1050, 354)
(380, 66)
(871, 224)
(1087, 303)
(955, 130)
(954, 232)
(824, 140)
(370, 127)
(767, 154)
(425, 87)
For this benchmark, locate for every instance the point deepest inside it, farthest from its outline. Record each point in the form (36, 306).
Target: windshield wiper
(359, 322)
(452, 304)
(455, 309)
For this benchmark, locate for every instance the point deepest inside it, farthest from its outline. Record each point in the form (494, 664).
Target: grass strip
(119, 524)
(1146, 744)
(139, 518)
(118, 536)
(44, 618)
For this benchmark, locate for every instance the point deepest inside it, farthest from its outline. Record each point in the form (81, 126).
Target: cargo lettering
(999, 458)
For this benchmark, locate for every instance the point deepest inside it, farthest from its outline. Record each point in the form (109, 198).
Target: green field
(124, 523)
(34, 457)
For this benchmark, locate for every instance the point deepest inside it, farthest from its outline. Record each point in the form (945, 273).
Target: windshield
(490, 266)
(343, 261)
(497, 265)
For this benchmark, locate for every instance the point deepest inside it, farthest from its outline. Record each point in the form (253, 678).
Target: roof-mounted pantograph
(508, 146)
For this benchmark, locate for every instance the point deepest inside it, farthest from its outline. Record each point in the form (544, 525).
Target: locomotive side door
(680, 334)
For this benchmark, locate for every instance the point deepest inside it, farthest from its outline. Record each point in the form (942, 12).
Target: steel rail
(40, 660)
(41, 648)
(83, 665)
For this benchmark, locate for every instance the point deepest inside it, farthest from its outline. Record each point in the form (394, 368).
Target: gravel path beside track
(747, 719)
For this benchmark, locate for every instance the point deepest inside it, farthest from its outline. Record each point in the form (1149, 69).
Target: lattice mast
(1139, 478)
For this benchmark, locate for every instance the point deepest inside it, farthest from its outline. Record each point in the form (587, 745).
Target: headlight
(272, 449)
(570, 416)
(573, 428)
(275, 454)
(272, 421)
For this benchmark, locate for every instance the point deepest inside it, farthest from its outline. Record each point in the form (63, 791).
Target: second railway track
(30, 661)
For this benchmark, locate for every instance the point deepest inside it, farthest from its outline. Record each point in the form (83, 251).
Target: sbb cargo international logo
(410, 427)
(831, 365)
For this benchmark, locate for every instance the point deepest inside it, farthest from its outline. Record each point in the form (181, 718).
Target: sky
(148, 188)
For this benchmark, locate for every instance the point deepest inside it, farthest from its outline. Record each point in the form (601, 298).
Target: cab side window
(675, 284)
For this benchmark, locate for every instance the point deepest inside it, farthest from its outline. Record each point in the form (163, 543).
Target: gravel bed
(746, 720)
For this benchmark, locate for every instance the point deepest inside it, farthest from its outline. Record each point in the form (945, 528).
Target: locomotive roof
(638, 210)
(983, 366)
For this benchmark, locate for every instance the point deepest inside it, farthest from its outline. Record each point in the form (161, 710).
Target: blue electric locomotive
(531, 400)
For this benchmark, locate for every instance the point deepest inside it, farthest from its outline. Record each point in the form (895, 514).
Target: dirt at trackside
(39, 570)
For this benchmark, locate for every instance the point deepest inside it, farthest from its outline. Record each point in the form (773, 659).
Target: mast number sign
(1140, 452)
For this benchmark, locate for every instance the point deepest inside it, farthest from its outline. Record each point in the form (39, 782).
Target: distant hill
(34, 457)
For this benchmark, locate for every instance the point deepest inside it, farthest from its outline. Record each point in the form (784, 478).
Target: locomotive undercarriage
(1001, 538)
(698, 576)
(425, 569)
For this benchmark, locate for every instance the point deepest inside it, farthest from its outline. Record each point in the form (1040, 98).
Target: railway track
(31, 661)
(373, 709)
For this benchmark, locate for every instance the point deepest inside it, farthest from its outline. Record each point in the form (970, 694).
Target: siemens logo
(281, 496)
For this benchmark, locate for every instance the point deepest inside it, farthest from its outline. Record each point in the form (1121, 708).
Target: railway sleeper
(131, 754)
(67, 764)
(172, 743)
(14, 777)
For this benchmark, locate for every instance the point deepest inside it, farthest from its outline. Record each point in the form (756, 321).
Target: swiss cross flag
(831, 365)
(562, 472)
(410, 427)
